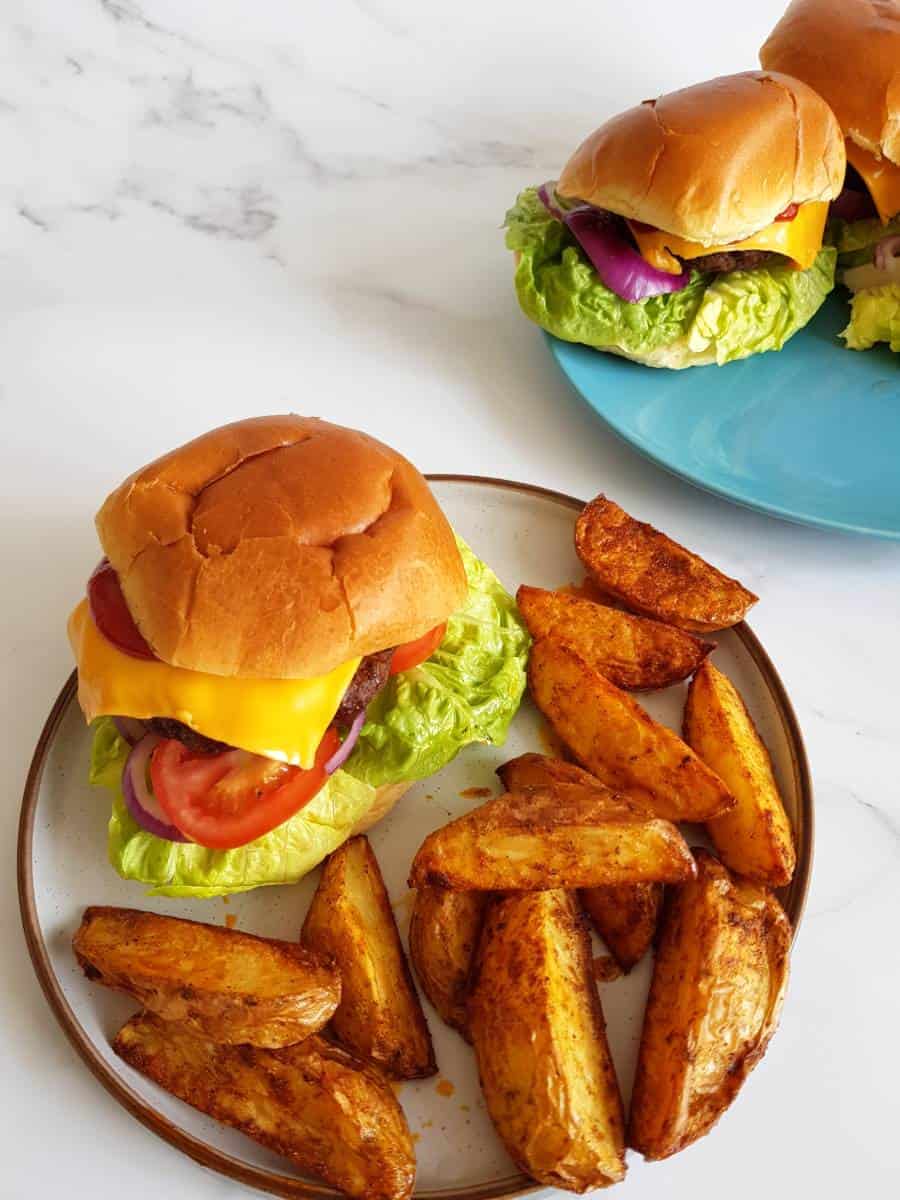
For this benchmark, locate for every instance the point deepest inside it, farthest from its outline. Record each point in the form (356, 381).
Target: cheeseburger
(687, 230)
(849, 51)
(283, 634)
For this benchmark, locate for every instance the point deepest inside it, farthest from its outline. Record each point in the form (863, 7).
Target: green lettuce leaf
(748, 312)
(874, 317)
(469, 690)
(852, 237)
(716, 318)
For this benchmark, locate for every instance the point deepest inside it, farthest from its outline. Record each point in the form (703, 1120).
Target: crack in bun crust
(280, 547)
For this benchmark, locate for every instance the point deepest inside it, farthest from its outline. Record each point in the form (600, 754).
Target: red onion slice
(547, 196)
(886, 251)
(130, 728)
(621, 268)
(139, 800)
(342, 753)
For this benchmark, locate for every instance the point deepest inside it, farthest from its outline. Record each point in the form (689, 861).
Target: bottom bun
(385, 798)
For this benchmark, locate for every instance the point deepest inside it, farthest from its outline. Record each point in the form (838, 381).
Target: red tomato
(111, 615)
(226, 800)
(410, 654)
(789, 213)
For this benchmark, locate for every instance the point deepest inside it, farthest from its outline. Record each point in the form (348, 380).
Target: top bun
(849, 51)
(715, 162)
(280, 547)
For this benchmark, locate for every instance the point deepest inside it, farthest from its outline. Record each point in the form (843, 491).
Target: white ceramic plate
(526, 535)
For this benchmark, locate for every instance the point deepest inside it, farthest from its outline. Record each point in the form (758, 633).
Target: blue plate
(810, 434)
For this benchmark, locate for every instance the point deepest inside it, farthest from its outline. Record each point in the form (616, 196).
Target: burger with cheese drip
(283, 634)
(688, 229)
(849, 51)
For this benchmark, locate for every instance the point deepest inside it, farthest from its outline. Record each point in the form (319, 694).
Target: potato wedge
(625, 916)
(333, 1116)
(228, 986)
(649, 573)
(350, 918)
(537, 1027)
(632, 652)
(618, 741)
(538, 839)
(715, 999)
(443, 935)
(755, 838)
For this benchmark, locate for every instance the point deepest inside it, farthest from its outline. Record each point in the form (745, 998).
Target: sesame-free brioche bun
(280, 547)
(849, 51)
(715, 162)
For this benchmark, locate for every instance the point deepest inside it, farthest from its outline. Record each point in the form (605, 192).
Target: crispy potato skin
(350, 919)
(632, 652)
(618, 741)
(649, 573)
(625, 915)
(228, 986)
(715, 999)
(755, 838)
(333, 1116)
(539, 1038)
(443, 934)
(566, 835)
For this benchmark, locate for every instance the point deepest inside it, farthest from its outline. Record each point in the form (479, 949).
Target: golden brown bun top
(715, 162)
(280, 547)
(849, 51)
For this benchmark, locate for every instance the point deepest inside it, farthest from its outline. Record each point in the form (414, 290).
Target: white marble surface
(209, 210)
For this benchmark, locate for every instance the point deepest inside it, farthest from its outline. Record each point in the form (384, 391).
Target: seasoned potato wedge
(649, 573)
(540, 771)
(715, 999)
(333, 1116)
(539, 1037)
(755, 838)
(564, 836)
(618, 741)
(631, 652)
(625, 916)
(228, 986)
(350, 918)
(443, 935)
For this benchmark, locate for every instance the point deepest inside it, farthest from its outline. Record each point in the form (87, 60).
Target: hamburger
(849, 51)
(688, 229)
(283, 634)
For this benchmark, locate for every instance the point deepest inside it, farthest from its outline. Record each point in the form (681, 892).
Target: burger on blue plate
(284, 634)
(689, 229)
(849, 51)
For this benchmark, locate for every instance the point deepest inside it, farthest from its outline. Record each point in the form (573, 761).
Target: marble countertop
(214, 210)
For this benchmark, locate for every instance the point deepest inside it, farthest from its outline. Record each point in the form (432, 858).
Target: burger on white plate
(284, 634)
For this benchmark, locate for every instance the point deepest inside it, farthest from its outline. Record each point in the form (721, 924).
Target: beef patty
(165, 727)
(734, 260)
(371, 676)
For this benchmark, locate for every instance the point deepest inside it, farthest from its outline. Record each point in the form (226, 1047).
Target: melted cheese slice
(799, 240)
(280, 718)
(881, 177)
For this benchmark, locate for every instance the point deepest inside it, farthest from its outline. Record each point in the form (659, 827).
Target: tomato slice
(789, 213)
(410, 654)
(110, 612)
(227, 800)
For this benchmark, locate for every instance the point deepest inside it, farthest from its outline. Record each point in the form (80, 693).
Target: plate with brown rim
(525, 533)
